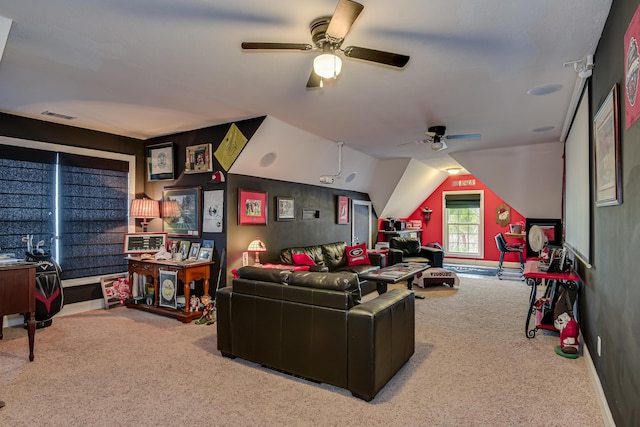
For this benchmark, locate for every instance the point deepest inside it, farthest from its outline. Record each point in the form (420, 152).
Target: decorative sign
(463, 183)
(230, 147)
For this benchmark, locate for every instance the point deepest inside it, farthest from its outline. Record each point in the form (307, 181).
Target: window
(77, 204)
(463, 233)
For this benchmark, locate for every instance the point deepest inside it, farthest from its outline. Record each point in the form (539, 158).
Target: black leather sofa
(409, 249)
(309, 324)
(333, 257)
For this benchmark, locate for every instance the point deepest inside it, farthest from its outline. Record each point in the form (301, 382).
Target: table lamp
(257, 246)
(144, 208)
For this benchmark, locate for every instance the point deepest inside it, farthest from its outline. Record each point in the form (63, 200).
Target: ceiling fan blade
(387, 58)
(314, 80)
(343, 18)
(412, 143)
(279, 46)
(466, 136)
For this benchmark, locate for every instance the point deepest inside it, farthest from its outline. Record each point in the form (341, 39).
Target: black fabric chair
(505, 247)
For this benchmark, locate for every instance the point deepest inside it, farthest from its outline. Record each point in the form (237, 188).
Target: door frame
(369, 206)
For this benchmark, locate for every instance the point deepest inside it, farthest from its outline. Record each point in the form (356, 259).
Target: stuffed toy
(569, 337)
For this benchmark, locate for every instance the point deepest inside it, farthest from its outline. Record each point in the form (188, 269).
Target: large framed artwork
(632, 70)
(606, 152)
(343, 210)
(252, 207)
(160, 162)
(181, 211)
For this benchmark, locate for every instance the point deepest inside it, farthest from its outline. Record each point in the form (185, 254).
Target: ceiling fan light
(327, 65)
(437, 145)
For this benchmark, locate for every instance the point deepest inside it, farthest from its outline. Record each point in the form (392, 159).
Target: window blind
(462, 200)
(94, 213)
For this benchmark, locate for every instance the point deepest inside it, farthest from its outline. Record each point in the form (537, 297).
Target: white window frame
(445, 228)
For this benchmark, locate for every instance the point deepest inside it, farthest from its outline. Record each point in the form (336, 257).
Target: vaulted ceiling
(145, 68)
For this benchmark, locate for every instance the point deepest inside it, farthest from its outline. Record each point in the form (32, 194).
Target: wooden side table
(187, 272)
(18, 295)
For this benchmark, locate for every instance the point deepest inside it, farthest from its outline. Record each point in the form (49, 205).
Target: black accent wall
(610, 297)
(277, 235)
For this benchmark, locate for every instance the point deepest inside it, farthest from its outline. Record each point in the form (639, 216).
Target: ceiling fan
(436, 135)
(328, 33)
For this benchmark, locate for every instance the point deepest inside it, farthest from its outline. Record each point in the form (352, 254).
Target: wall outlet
(599, 346)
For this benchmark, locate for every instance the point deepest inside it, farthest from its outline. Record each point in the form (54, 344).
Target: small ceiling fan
(436, 135)
(328, 33)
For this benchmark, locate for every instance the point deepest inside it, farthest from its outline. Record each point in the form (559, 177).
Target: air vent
(57, 115)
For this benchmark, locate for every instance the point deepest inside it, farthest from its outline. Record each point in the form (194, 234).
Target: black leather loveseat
(309, 324)
(333, 257)
(409, 249)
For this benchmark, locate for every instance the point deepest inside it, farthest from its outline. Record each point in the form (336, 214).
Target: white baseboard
(607, 418)
(78, 307)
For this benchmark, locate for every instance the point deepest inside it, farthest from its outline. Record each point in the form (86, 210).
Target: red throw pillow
(357, 255)
(303, 259)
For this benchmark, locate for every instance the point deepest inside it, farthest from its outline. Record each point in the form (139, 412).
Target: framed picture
(286, 209)
(212, 212)
(181, 211)
(160, 162)
(205, 254)
(144, 243)
(252, 207)
(606, 152)
(343, 210)
(198, 159)
(185, 245)
(168, 289)
(193, 252)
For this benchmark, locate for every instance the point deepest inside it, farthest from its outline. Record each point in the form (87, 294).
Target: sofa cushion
(358, 269)
(340, 281)
(357, 254)
(409, 246)
(314, 252)
(334, 254)
(303, 259)
(276, 275)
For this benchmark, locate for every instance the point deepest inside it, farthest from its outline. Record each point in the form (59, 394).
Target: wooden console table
(17, 295)
(187, 272)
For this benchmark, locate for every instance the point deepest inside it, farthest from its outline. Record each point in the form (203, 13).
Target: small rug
(472, 269)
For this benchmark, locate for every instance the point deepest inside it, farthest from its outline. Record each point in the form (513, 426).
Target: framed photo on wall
(343, 210)
(160, 162)
(286, 209)
(606, 152)
(198, 159)
(140, 243)
(252, 207)
(181, 211)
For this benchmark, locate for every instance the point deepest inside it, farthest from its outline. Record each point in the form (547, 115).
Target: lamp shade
(327, 65)
(170, 209)
(257, 246)
(144, 208)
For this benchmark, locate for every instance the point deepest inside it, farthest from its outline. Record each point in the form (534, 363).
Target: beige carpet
(473, 366)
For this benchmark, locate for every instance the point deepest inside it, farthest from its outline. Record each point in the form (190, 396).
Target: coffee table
(396, 273)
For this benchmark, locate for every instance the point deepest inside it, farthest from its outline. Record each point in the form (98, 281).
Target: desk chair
(505, 247)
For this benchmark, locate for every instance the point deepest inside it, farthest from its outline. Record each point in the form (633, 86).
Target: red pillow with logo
(357, 255)
(303, 259)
